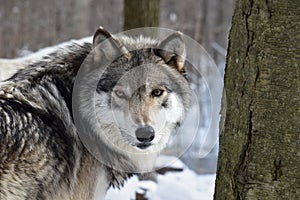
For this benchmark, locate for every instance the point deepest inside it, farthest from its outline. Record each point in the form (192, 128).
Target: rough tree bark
(141, 13)
(259, 145)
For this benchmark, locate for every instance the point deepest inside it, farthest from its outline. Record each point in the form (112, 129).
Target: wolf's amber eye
(157, 92)
(120, 93)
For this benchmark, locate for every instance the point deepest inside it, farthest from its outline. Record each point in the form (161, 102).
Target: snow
(184, 185)
(172, 185)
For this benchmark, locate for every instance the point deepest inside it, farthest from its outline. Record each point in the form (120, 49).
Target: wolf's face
(145, 104)
(142, 95)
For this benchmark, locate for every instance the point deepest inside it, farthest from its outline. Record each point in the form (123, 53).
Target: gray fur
(41, 154)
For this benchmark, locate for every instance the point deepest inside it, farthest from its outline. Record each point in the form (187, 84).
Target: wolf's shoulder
(27, 130)
(33, 145)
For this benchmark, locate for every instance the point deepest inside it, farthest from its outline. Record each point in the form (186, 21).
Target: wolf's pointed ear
(108, 50)
(172, 51)
(100, 35)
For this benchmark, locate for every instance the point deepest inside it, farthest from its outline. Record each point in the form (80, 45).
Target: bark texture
(259, 145)
(141, 13)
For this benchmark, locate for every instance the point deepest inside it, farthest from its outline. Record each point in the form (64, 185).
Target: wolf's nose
(145, 133)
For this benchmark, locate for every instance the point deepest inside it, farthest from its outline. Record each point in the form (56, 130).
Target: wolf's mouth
(143, 145)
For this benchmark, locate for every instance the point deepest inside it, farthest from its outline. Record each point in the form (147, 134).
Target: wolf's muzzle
(145, 134)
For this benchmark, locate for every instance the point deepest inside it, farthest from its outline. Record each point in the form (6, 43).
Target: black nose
(145, 134)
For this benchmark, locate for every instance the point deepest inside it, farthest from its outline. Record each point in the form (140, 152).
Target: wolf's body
(41, 153)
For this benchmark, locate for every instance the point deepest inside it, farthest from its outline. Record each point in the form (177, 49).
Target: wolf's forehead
(135, 78)
(138, 57)
(143, 73)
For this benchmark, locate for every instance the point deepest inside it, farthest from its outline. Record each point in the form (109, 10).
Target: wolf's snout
(145, 134)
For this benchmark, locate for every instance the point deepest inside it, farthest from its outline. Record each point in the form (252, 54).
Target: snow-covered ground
(185, 185)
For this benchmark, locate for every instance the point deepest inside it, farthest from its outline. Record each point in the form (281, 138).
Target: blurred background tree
(141, 13)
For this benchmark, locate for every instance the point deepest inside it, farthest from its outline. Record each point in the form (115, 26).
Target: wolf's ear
(100, 35)
(172, 51)
(108, 50)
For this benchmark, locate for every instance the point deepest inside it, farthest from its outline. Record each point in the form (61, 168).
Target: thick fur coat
(41, 153)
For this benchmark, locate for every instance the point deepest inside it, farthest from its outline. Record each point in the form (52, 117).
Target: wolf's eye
(120, 93)
(157, 92)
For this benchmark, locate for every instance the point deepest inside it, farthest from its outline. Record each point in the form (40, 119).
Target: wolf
(71, 137)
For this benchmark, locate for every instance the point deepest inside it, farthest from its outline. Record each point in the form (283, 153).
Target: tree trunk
(259, 145)
(141, 13)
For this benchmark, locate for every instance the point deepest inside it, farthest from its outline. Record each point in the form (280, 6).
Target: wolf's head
(142, 94)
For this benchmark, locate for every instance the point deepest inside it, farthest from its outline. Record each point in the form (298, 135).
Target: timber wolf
(49, 116)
